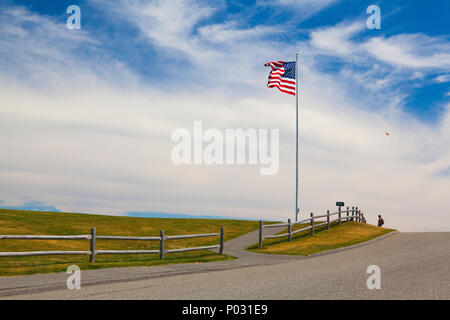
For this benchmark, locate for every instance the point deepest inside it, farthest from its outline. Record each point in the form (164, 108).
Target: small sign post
(339, 204)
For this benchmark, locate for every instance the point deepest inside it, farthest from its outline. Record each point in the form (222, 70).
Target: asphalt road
(413, 266)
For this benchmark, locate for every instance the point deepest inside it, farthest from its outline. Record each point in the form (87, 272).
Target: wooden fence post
(339, 215)
(312, 224)
(289, 230)
(347, 214)
(260, 242)
(353, 213)
(161, 244)
(93, 236)
(328, 219)
(222, 236)
(356, 214)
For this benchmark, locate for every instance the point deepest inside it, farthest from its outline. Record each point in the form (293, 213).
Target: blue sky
(96, 106)
(121, 39)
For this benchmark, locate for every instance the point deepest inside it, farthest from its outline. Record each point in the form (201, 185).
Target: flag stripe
(284, 80)
(276, 85)
(282, 90)
(280, 85)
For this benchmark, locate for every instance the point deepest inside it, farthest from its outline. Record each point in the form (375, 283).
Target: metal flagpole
(296, 135)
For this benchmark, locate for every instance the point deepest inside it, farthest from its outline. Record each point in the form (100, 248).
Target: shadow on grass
(31, 265)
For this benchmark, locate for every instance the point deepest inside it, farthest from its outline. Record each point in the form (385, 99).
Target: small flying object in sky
(387, 133)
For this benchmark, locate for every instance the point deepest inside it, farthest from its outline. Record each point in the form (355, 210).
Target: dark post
(347, 214)
(353, 212)
(289, 230)
(222, 235)
(328, 219)
(312, 224)
(356, 214)
(93, 236)
(260, 234)
(339, 214)
(161, 245)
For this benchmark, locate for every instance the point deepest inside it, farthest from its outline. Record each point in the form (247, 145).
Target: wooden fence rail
(93, 237)
(353, 214)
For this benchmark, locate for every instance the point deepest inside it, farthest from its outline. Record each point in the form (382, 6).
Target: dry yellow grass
(58, 223)
(338, 236)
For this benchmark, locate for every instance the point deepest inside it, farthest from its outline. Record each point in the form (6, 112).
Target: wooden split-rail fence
(353, 214)
(92, 252)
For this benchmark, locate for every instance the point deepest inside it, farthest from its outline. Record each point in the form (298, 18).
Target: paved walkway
(42, 285)
(10, 286)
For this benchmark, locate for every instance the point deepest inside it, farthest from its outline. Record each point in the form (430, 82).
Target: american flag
(282, 76)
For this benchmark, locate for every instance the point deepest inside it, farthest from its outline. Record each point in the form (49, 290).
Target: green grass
(346, 234)
(15, 222)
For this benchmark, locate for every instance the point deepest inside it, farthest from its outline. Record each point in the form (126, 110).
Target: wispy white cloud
(42, 52)
(414, 51)
(442, 78)
(337, 40)
(381, 64)
(303, 8)
(152, 18)
(411, 51)
(205, 45)
(229, 32)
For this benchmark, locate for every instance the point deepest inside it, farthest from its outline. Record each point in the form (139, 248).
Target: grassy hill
(346, 234)
(15, 222)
